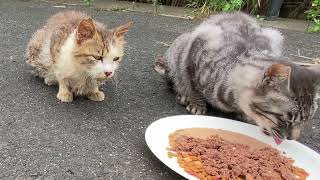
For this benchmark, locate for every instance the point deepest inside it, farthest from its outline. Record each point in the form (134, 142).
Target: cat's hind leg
(50, 79)
(50, 82)
(160, 66)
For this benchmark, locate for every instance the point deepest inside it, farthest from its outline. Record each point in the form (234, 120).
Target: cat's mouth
(277, 136)
(104, 75)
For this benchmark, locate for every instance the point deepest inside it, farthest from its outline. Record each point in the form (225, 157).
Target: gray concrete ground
(41, 138)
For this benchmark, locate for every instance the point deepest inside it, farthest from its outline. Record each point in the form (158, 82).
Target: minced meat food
(214, 157)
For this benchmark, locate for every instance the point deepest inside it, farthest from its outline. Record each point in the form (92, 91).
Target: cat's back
(47, 40)
(68, 19)
(239, 31)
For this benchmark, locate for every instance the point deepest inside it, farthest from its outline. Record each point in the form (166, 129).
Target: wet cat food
(205, 154)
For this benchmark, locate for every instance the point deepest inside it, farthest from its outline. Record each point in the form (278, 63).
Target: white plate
(157, 139)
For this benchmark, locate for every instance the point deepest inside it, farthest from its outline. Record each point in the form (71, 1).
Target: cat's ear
(85, 30)
(277, 75)
(119, 32)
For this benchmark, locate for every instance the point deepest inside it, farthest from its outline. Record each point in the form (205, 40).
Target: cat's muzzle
(108, 74)
(104, 75)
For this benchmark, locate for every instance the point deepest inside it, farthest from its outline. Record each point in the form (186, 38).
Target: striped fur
(232, 63)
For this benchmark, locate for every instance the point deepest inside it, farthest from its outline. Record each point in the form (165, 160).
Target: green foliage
(156, 4)
(206, 7)
(315, 27)
(87, 2)
(232, 5)
(314, 14)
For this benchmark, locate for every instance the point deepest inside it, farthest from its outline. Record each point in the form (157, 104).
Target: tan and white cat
(76, 53)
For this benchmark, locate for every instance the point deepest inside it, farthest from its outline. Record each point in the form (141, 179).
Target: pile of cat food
(214, 158)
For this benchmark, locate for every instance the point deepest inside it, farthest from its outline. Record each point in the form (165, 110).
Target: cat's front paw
(96, 96)
(197, 109)
(65, 96)
(182, 100)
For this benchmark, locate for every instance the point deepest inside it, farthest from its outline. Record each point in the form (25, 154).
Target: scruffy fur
(76, 53)
(233, 64)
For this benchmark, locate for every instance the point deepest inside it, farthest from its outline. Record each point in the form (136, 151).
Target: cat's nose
(108, 73)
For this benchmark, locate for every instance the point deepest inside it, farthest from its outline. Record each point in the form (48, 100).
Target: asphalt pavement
(42, 138)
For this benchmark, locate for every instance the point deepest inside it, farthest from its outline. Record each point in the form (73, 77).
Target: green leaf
(87, 2)
(226, 7)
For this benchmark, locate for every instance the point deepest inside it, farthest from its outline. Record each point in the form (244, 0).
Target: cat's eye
(274, 113)
(279, 116)
(100, 58)
(290, 117)
(116, 59)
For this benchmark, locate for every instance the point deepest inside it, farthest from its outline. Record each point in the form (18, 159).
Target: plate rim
(188, 176)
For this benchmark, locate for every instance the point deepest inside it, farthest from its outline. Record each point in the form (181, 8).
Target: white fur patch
(64, 66)
(243, 76)
(160, 70)
(211, 33)
(45, 55)
(204, 77)
(276, 39)
(108, 64)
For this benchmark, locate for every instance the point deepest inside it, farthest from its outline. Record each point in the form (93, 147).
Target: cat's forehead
(277, 96)
(274, 99)
(114, 50)
(107, 38)
(111, 45)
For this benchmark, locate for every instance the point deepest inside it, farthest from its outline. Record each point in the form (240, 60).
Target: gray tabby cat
(232, 63)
